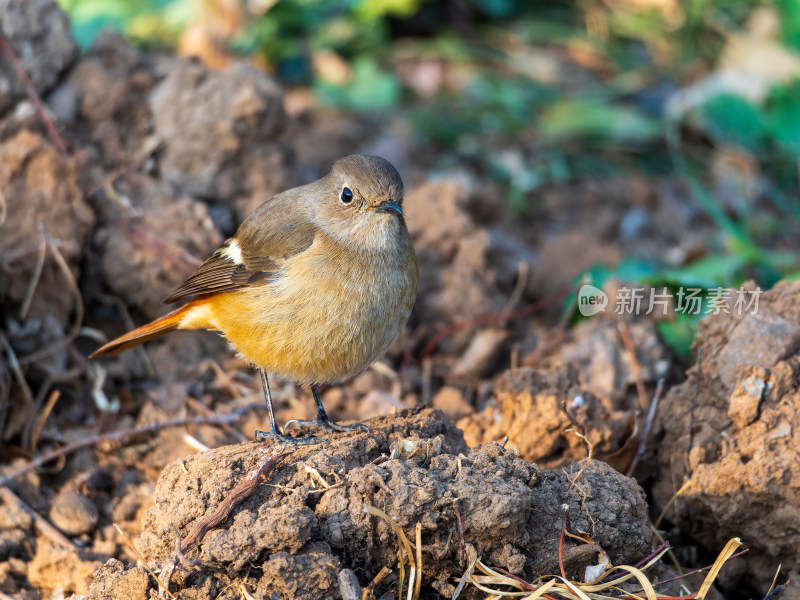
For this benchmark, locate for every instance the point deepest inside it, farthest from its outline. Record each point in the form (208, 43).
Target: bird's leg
(323, 420)
(274, 433)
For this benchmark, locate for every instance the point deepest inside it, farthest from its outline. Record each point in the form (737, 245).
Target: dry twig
(23, 78)
(246, 486)
(496, 582)
(777, 590)
(382, 574)
(405, 554)
(202, 409)
(647, 426)
(124, 434)
(38, 423)
(138, 554)
(502, 317)
(579, 430)
(41, 254)
(462, 544)
(72, 285)
(627, 341)
(27, 394)
(42, 524)
(523, 272)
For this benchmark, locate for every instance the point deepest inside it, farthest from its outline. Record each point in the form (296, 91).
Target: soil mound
(294, 535)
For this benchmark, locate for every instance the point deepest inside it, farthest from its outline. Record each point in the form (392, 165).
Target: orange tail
(154, 329)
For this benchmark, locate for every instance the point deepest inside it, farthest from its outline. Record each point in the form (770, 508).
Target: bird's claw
(324, 423)
(282, 438)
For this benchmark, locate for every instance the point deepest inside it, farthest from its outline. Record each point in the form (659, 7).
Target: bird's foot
(282, 438)
(324, 422)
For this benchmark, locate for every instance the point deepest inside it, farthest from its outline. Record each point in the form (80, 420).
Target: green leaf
(679, 334)
(145, 19)
(596, 275)
(634, 270)
(371, 10)
(789, 18)
(371, 88)
(708, 272)
(732, 119)
(783, 116)
(89, 17)
(576, 119)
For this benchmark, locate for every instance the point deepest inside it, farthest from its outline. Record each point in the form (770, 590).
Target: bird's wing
(275, 231)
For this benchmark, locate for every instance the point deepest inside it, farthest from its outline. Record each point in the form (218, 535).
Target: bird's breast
(329, 315)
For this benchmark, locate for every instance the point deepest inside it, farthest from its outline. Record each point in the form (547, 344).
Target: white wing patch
(233, 252)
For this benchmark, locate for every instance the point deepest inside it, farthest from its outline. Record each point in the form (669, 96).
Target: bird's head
(360, 203)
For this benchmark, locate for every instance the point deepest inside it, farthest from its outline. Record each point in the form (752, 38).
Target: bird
(314, 286)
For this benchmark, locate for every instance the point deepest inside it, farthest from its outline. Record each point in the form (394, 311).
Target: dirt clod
(115, 581)
(603, 365)
(448, 242)
(221, 131)
(56, 568)
(41, 194)
(33, 30)
(105, 96)
(746, 397)
(727, 435)
(144, 256)
(527, 409)
(73, 513)
(15, 527)
(309, 520)
(451, 401)
(313, 576)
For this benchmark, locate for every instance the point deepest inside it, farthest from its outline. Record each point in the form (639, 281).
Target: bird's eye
(347, 195)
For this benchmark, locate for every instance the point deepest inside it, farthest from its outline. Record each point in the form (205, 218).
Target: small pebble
(451, 401)
(743, 405)
(73, 513)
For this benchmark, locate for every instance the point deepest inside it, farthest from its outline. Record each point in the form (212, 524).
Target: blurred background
(621, 98)
(648, 144)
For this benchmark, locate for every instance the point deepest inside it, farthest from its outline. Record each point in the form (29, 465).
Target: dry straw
(498, 586)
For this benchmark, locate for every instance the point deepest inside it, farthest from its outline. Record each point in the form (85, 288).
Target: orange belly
(317, 323)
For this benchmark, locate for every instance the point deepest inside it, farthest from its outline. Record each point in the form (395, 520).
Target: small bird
(315, 285)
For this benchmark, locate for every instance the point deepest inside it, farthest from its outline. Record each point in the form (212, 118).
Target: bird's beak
(390, 207)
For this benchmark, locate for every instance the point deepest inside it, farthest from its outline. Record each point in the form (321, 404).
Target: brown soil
(221, 133)
(309, 519)
(727, 436)
(34, 29)
(145, 271)
(42, 197)
(164, 158)
(586, 371)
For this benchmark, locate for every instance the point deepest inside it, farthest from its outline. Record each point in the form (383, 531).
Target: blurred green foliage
(789, 11)
(548, 92)
(370, 89)
(142, 20)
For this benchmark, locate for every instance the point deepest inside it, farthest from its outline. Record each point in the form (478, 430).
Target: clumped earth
(162, 159)
(727, 444)
(415, 467)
